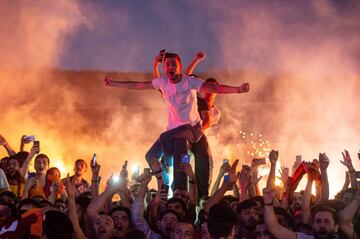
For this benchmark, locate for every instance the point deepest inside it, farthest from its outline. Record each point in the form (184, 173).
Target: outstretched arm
(224, 89)
(198, 57)
(132, 85)
(7, 146)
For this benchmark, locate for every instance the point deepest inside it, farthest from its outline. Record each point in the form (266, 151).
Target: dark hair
(57, 225)
(167, 212)
(21, 157)
(212, 80)
(172, 55)
(42, 156)
(81, 160)
(324, 208)
(28, 201)
(121, 208)
(246, 204)
(173, 200)
(222, 218)
(289, 220)
(9, 194)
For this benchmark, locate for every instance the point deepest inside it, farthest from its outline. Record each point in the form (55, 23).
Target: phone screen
(185, 158)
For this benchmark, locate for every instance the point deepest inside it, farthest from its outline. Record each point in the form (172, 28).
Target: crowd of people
(46, 204)
(42, 205)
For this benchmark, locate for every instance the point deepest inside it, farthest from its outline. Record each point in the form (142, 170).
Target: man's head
(80, 167)
(122, 219)
(222, 220)
(182, 194)
(104, 227)
(296, 201)
(52, 174)
(41, 164)
(8, 197)
(27, 204)
(262, 231)
(249, 214)
(348, 195)
(172, 65)
(57, 225)
(12, 167)
(166, 222)
(177, 205)
(325, 223)
(182, 229)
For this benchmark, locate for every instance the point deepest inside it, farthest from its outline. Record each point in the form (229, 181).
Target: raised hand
(323, 161)
(24, 140)
(70, 186)
(34, 150)
(186, 167)
(108, 81)
(284, 175)
(233, 176)
(347, 160)
(273, 156)
(244, 88)
(200, 55)
(269, 195)
(2, 140)
(224, 169)
(311, 170)
(244, 177)
(95, 169)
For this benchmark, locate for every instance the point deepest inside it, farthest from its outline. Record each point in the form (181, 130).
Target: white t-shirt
(181, 100)
(3, 181)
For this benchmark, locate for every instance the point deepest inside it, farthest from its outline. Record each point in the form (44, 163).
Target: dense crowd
(42, 204)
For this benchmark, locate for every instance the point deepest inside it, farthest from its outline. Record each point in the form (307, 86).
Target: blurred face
(348, 197)
(249, 218)
(262, 232)
(176, 206)
(12, 167)
(104, 227)
(166, 224)
(204, 231)
(122, 223)
(80, 168)
(5, 212)
(296, 201)
(181, 194)
(182, 230)
(41, 165)
(172, 67)
(324, 225)
(53, 174)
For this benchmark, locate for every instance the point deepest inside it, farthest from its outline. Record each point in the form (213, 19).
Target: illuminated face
(296, 201)
(12, 167)
(122, 223)
(324, 225)
(182, 230)
(172, 67)
(41, 165)
(262, 232)
(249, 218)
(53, 173)
(104, 227)
(80, 168)
(176, 206)
(166, 224)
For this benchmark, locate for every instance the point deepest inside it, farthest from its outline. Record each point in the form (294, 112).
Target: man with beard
(183, 229)
(80, 183)
(184, 123)
(325, 224)
(249, 217)
(16, 181)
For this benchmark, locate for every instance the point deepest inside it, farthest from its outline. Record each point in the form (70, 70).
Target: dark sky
(125, 35)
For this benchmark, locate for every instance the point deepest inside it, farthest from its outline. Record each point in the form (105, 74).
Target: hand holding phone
(93, 161)
(37, 146)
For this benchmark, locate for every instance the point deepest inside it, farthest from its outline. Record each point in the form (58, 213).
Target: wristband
(269, 204)
(157, 172)
(96, 180)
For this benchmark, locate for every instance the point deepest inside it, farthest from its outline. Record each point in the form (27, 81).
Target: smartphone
(125, 164)
(226, 178)
(30, 138)
(31, 175)
(259, 161)
(225, 161)
(135, 172)
(37, 144)
(93, 161)
(162, 53)
(185, 158)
